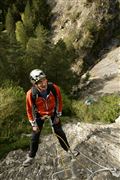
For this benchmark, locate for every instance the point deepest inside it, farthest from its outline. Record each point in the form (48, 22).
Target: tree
(11, 61)
(27, 18)
(21, 34)
(41, 12)
(38, 45)
(58, 66)
(10, 25)
(37, 49)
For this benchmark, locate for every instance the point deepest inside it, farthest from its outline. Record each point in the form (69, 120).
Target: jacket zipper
(46, 102)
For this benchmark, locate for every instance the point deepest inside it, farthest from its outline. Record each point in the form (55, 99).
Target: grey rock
(99, 158)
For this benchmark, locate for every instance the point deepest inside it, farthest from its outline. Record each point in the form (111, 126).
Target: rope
(112, 170)
(58, 173)
(91, 160)
(63, 164)
(56, 148)
(73, 157)
(100, 170)
(92, 174)
(56, 135)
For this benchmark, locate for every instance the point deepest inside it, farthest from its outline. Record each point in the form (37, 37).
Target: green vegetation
(13, 120)
(14, 124)
(10, 25)
(25, 44)
(106, 109)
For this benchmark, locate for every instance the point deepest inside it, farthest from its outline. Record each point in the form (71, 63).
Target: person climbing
(44, 100)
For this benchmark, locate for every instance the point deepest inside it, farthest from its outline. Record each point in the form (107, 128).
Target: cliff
(99, 159)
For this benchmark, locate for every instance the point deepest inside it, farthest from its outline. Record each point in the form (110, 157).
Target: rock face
(72, 18)
(89, 26)
(99, 158)
(108, 70)
(105, 75)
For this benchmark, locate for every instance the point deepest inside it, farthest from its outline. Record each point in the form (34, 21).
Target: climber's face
(41, 85)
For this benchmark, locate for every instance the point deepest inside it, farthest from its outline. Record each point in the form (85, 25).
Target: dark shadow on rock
(94, 87)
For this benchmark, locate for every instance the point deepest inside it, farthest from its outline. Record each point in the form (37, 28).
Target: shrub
(12, 108)
(13, 120)
(106, 109)
(67, 105)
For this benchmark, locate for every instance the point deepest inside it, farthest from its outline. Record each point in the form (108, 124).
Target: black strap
(52, 89)
(34, 97)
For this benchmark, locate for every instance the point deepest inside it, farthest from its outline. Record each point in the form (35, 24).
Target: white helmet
(36, 75)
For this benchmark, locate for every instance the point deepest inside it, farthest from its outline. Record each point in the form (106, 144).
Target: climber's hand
(45, 117)
(36, 128)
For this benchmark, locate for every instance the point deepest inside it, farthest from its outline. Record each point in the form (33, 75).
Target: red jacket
(44, 106)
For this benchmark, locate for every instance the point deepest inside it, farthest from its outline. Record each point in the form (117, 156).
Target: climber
(44, 100)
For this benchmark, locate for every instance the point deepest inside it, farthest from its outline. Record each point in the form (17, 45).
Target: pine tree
(21, 34)
(41, 12)
(38, 45)
(59, 63)
(11, 60)
(27, 18)
(10, 25)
